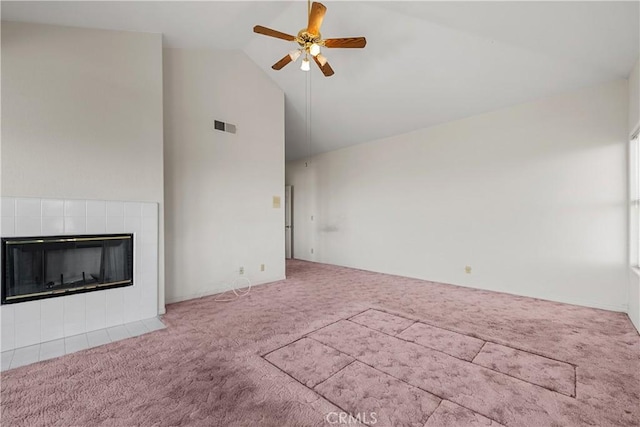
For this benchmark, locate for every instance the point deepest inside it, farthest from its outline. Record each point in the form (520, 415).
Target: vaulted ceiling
(425, 62)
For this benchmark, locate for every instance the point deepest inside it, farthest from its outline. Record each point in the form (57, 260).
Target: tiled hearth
(29, 323)
(48, 350)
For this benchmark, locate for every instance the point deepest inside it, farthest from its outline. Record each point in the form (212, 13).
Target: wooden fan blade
(326, 68)
(315, 18)
(273, 33)
(347, 42)
(284, 61)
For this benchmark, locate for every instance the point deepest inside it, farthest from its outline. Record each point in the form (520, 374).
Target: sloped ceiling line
(425, 62)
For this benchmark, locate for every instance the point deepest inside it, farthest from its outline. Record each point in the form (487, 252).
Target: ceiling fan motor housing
(306, 39)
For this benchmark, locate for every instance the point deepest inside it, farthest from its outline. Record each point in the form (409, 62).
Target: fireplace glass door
(36, 268)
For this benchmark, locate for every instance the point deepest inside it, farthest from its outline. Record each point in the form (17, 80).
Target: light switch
(276, 202)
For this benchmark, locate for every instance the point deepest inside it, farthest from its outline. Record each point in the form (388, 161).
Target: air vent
(224, 127)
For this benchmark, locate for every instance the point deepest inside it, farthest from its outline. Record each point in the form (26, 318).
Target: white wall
(634, 98)
(82, 116)
(532, 197)
(634, 125)
(219, 186)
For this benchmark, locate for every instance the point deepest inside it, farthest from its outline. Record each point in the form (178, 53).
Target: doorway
(288, 223)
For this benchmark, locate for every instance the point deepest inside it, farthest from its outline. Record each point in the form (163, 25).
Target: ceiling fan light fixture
(295, 54)
(321, 59)
(305, 66)
(314, 49)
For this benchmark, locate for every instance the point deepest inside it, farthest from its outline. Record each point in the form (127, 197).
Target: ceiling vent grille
(224, 127)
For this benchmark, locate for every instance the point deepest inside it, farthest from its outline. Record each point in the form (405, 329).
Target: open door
(288, 223)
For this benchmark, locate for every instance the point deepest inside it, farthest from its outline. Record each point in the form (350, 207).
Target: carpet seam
(305, 335)
(414, 322)
(304, 385)
(384, 373)
(338, 371)
(418, 387)
(464, 360)
(480, 338)
(406, 340)
(479, 351)
(434, 411)
(281, 347)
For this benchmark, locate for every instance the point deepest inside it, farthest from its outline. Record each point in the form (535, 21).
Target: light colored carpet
(332, 340)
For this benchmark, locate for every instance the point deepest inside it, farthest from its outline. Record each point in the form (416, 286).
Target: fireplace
(52, 266)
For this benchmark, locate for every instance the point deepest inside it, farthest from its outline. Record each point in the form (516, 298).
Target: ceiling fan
(310, 40)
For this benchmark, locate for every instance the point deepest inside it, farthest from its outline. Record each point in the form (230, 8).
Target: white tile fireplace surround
(33, 322)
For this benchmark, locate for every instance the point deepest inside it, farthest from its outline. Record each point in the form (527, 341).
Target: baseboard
(180, 298)
(637, 326)
(622, 308)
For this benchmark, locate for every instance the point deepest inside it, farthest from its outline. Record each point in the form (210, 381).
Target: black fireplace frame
(64, 239)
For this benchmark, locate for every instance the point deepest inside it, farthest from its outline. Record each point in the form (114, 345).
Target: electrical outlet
(311, 250)
(261, 267)
(241, 270)
(467, 269)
